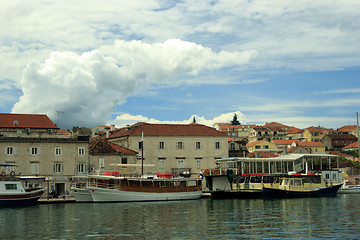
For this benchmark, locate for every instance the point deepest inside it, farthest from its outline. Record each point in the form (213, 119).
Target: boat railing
(220, 171)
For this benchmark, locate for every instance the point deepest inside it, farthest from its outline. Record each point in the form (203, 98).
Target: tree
(235, 121)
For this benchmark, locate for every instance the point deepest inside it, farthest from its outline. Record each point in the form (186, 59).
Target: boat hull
(21, 199)
(320, 192)
(82, 195)
(114, 195)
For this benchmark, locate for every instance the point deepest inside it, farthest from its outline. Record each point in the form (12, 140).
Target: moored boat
(296, 187)
(79, 189)
(349, 189)
(12, 191)
(137, 189)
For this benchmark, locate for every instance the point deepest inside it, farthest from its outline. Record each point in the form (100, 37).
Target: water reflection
(200, 219)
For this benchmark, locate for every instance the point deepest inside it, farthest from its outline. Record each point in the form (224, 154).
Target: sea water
(306, 218)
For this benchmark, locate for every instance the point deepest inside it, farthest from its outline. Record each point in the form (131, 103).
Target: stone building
(32, 143)
(173, 148)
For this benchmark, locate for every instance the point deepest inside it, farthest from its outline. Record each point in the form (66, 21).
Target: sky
(114, 62)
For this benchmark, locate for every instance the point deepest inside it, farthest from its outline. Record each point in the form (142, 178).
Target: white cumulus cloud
(87, 87)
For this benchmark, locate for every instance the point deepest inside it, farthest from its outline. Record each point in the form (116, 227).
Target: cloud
(87, 87)
(127, 119)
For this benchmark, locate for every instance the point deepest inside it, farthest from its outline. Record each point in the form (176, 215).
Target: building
(313, 147)
(106, 156)
(315, 134)
(338, 140)
(262, 146)
(173, 148)
(286, 144)
(32, 142)
(234, 131)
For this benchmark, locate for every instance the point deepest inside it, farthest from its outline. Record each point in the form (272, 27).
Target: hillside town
(45, 154)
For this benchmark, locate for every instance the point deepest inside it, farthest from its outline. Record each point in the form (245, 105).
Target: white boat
(349, 189)
(138, 189)
(79, 189)
(12, 191)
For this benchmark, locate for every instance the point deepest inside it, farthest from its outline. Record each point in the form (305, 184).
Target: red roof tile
(8, 120)
(275, 124)
(353, 145)
(347, 128)
(148, 129)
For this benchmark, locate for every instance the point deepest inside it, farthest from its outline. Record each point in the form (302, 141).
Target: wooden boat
(296, 187)
(12, 191)
(136, 189)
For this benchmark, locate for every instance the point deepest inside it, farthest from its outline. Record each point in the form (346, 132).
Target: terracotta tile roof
(353, 145)
(286, 142)
(102, 146)
(294, 130)
(148, 129)
(318, 129)
(347, 128)
(254, 143)
(275, 124)
(7, 120)
(311, 144)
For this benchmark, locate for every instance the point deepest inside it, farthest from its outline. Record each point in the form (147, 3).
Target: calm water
(336, 218)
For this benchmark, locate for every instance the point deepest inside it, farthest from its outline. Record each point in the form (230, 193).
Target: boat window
(286, 182)
(10, 186)
(297, 182)
(291, 182)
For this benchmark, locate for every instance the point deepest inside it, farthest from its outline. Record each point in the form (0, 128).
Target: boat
(115, 188)
(79, 189)
(12, 191)
(245, 178)
(297, 187)
(349, 189)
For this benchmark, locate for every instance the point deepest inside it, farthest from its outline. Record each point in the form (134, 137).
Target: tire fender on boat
(12, 173)
(3, 174)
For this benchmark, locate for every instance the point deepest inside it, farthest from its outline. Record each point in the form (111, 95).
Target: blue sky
(120, 62)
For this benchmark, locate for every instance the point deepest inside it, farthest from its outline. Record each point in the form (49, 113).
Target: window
(34, 151)
(161, 145)
(232, 146)
(34, 168)
(140, 145)
(10, 151)
(198, 163)
(257, 147)
(179, 145)
(162, 163)
(197, 145)
(57, 151)
(81, 151)
(58, 167)
(124, 160)
(217, 145)
(101, 162)
(81, 168)
(10, 186)
(266, 147)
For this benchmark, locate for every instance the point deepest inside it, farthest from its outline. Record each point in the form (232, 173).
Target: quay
(56, 200)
